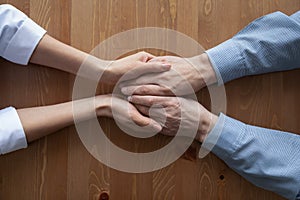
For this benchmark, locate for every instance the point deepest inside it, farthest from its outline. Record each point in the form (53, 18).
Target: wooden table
(59, 167)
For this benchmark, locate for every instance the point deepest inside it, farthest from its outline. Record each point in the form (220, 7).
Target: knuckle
(142, 53)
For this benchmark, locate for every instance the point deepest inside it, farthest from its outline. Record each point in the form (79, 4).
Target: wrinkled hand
(187, 75)
(133, 66)
(126, 115)
(172, 112)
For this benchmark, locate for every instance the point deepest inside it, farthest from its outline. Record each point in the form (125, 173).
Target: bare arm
(41, 121)
(55, 54)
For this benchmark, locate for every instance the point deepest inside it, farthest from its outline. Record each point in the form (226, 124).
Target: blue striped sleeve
(269, 159)
(268, 44)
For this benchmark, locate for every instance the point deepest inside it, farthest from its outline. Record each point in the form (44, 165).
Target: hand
(177, 111)
(134, 66)
(126, 115)
(53, 53)
(187, 75)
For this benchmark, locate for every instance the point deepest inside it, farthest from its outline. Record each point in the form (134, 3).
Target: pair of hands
(151, 84)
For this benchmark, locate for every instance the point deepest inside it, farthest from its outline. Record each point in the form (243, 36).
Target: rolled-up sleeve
(12, 136)
(267, 158)
(268, 44)
(19, 35)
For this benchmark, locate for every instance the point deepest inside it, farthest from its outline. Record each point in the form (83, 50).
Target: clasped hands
(155, 88)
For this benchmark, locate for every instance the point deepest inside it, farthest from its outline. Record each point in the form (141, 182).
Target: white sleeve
(19, 35)
(12, 136)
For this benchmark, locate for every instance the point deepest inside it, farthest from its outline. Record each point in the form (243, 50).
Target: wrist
(207, 122)
(205, 69)
(103, 106)
(95, 69)
(110, 75)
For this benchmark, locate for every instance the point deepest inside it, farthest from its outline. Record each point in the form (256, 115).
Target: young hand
(126, 115)
(133, 66)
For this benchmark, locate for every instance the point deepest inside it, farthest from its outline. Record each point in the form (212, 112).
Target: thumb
(142, 121)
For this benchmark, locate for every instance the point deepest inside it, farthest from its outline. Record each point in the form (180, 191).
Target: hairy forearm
(41, 121)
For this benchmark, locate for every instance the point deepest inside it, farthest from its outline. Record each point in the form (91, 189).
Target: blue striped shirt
(268, 158)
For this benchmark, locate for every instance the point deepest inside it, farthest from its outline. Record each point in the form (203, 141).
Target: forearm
(268, 44)
(267, 158)
(23, 41)
(41, 121)
(55, 54)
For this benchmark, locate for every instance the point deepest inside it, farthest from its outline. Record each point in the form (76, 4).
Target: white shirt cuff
(24, 42)
(12, 135)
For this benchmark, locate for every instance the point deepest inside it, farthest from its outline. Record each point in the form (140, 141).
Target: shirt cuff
(296, 17)
(222, 139)
(24, 42)
(227, 61)
(12, 135)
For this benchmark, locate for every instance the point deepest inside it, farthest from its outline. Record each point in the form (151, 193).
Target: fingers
(158, 59)
(146, 68)
(150, 100)
(153, 67)
(144, 56)
(142, 80)
(143, 109)
(142, 121)
(157, 114)
(154, 90)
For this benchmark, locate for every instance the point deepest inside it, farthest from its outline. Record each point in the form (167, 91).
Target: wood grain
(59, 167)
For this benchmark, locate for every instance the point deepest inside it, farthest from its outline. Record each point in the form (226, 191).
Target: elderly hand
(172, 112)
(187, 75)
